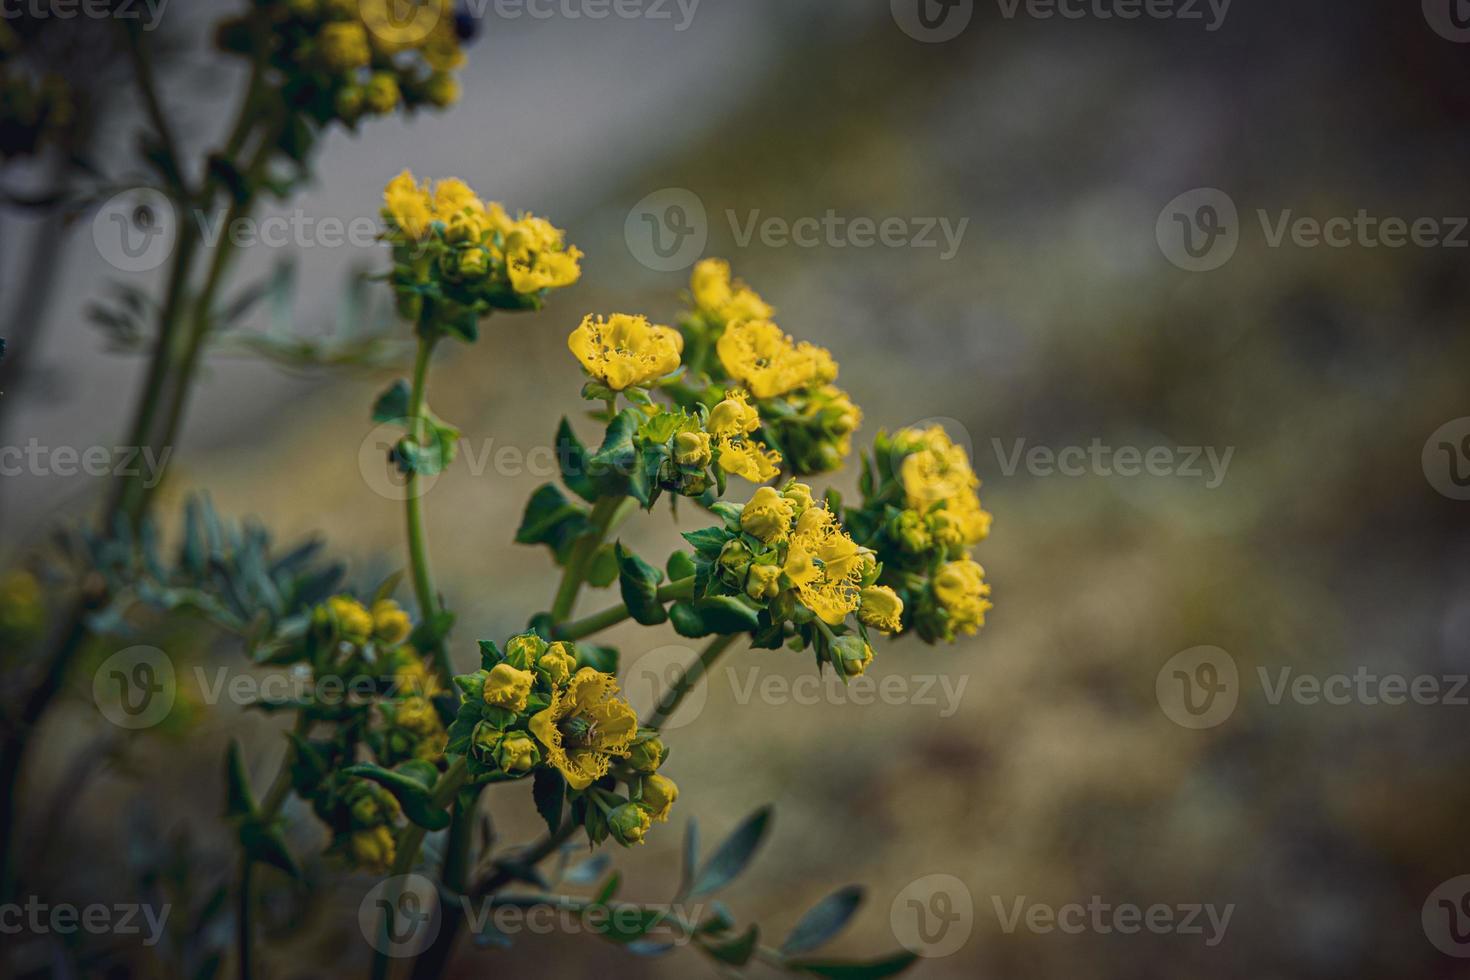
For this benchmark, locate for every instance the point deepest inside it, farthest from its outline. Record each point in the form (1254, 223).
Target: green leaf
(434, 456)
(571, 455)
(599, 658)
(626, 923)
(639, 582)
(691, 857)
(392, 405)
(679, 566)
(707, 543)
(823, 921)
(609, 888)
(553, 520)
(732, 857)
(417, 802)
(549, 790)
(264, 844)
(730, 513)
(613, 464)
(888, 966)
(721, 614)
(602, 571)
(736, 952)
(239, 802)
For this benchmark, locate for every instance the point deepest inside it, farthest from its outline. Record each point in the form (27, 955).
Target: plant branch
(597, 622)
(691, 676)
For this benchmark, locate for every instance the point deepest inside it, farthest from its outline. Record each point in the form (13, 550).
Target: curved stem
(691, 676)
(582, 628)
(418, 543)
(607, 514)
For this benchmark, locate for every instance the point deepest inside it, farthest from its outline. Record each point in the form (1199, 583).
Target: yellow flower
(730, 424)
(693, 449)
(962, 592)
(431, 747)
(523, 650)
(453, 196)
(415, 677)
(800, 495)
(825, 565)
(418, 716)
(391, 624)
(585, 725)
(558, 662)
(625, 350)
(768, 362)
(938, 473)
(544, 270)
(881, 609)
(354, 622)
(659, 794)
(373, 849)
(716, 295)
(507, 687)
(409, 205)
(768, 516)
(344, 46)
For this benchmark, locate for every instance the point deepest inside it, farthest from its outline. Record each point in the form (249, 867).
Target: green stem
(244, 900)
(691, 675)
(418, 542)
(582, 628)
(538, 852)
(607, 514)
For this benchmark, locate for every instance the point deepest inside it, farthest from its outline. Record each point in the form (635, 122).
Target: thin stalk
(597, 622)
(418, 541)
(245, 899)
(607, 514)
(690, 677)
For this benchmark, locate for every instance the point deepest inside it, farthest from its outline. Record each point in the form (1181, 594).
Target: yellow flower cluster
(585, 727)
(940, 485)
(769, 363)
(722, 299)
(962, 591)
(624, 351)
(825, 566)
(732, 424)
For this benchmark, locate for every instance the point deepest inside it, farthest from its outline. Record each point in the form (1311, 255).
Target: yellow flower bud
(628, 823)
(354, 622)
(517, 752)
(559, 662)
(417, 715)
(507, 687)
(647, 754)
(442, 90)
(693, 449)
(881, 609)
(733, 415)
(911, 532)
(659, 794)
(391, 624)
(852, 655)
(767, 516)
(962, 592)
(374, 849)
(763, 582)
(382, 94)
(800, 496)
(344, 46)
(349, 102)
(522, 651)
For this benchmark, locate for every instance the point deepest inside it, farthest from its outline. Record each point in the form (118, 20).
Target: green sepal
(415, 799)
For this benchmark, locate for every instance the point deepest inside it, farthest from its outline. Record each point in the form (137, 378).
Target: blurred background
(1039, 762)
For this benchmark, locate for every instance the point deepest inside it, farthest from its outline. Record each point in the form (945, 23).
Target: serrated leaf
(734, 855)
(823, 921)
